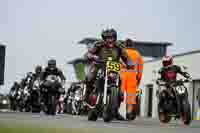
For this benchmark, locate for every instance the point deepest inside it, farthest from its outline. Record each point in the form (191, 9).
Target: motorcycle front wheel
(52, 105)
(164, 116)
(111, 105)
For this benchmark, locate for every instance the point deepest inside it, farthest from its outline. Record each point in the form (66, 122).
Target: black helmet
(52, 63)
(109, 33)
(38, 69)
(128, 43)
(15, 83)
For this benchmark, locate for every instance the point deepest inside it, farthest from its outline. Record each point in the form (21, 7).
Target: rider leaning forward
(107, 47)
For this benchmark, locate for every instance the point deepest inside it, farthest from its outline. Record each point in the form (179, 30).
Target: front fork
(105, 88)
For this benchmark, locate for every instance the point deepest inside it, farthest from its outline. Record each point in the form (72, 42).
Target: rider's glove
(95, 57)
(189, 79)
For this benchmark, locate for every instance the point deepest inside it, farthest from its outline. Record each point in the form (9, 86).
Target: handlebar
(177, 82)
(98, 61)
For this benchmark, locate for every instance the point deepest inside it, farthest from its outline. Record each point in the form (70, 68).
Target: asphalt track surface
(140, 125)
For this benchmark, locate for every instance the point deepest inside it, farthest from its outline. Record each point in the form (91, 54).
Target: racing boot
(131, 114)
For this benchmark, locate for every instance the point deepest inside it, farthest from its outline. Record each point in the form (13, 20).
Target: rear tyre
(112, 105)
(186, 114)
(52, 106)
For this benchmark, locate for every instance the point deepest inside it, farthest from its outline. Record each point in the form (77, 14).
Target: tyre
(164, 117)
(35, 110)
(107, 110)
(111, 106)
(53, 105)
(106, 116)
(28, 108)
(36, 107)
(21, 109)
(14, 105)
(186, 114)
(92, 115)
(69, 108)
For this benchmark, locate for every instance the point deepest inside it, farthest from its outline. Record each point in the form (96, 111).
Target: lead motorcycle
(106, 90)
(173, 101)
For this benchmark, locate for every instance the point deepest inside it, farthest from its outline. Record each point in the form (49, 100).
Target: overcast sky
(35, 30)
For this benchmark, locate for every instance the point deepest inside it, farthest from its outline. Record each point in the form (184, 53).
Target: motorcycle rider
(26, 81)
(168, 72)
(34, 76)
(108, 46)
(38, 72)
(52, 69)
(130, 79)
(14, 89)
(73, 87)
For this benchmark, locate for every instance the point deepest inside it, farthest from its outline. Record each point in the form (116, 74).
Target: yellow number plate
(113, 66)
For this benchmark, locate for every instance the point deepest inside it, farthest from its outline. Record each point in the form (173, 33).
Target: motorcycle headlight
(77, 98)
(4, 101)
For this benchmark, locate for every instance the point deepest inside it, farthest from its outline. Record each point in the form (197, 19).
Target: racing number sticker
(180, 90)
(113, 66)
